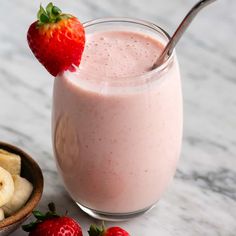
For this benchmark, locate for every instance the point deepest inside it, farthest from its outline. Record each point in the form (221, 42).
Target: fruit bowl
(32, 172)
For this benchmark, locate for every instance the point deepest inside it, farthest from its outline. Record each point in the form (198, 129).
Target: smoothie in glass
(117, 126)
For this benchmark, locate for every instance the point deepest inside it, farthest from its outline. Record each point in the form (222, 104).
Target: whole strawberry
(51, 224)
(102, 231)
(56, 39)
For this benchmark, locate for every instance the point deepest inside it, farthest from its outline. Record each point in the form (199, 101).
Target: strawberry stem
(52, 207)
(95, 230)
(52, 14)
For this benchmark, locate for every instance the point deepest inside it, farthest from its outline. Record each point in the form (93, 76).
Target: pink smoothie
(117, 129)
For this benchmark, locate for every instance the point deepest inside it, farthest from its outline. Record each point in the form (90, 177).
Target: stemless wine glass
(117, 142)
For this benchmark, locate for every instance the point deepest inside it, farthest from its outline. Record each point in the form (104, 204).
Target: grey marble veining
(202, 198)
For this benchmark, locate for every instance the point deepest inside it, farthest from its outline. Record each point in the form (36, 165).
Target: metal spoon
(180, 31)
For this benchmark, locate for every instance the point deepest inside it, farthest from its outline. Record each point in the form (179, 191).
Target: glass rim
(152, 26)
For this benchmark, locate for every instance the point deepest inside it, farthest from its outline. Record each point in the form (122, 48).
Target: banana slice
(2, 217)
(4, 151)
(10, 162)
(22, 192)
(6, 186)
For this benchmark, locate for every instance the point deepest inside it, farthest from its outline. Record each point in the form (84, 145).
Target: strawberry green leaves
(40, 217)
(95, 230)
(51, 14)
(42, 16)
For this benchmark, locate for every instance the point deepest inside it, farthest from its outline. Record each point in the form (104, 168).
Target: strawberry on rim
(56, 39)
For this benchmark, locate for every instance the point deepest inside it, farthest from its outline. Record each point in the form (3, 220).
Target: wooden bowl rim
(36, 195)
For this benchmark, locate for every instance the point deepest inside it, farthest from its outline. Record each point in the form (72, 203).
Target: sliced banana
(22, 192)
(4, 151)
(2, 217)
(10, 162)
(6, 186)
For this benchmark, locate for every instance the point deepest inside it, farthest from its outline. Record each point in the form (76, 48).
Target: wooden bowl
(32, 172)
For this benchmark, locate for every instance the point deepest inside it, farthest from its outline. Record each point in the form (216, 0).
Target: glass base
(113, 216)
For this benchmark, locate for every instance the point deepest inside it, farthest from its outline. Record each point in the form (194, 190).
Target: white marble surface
(202, 197)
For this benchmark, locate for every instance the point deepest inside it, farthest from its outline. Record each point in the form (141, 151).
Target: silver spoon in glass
(180, 31)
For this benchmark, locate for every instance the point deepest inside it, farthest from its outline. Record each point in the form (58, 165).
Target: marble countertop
(202, 198)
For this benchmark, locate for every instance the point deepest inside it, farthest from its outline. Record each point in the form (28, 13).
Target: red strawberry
(102, 231)
(56, 39)
(51, 224)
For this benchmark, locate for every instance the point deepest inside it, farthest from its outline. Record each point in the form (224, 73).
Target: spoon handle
(180, 31)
